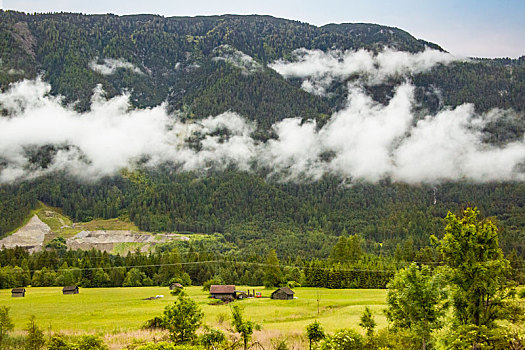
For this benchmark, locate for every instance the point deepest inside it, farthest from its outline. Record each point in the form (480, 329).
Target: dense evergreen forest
(257, 215)
(175, 57)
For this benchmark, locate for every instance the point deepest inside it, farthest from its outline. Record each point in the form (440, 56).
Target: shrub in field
(155, 322)
(167, 346)
(91, 342)
(57, 342)
(401, 339)
(85, 342)
(345, 339)
(211, 338)
(221, 317)
(280, 344)
(483, 337)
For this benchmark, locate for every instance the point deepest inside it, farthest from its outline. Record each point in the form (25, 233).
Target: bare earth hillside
(31, 236)
(36, 233)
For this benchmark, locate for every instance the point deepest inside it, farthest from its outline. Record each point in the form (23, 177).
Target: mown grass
(108, 224)
(124, 248)
(114, 310)
(59, 224)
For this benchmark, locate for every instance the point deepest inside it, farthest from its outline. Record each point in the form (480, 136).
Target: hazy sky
(481, 28)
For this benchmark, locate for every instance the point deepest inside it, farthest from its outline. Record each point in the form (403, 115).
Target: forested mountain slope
(204, 66)
(174, 59)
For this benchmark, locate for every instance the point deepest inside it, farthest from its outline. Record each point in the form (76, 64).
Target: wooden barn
(70, 290)
(18, 292)
(283, 293)
(222, 291)
(176, 285)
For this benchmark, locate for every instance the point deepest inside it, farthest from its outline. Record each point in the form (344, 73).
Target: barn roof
(286, 290)
(222, 289)
(69, 288)
(18, 290)
(177, 284)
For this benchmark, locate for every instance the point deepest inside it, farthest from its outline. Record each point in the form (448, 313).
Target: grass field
(115, 310)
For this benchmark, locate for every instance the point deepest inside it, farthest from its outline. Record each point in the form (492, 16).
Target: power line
(347, 270)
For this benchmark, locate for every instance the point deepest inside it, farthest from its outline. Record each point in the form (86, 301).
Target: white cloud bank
(110, 65)
(236, 58)
(319, 69)
(110, 136)
(365, 141)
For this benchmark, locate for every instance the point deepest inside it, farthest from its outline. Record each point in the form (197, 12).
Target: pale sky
(480, 28)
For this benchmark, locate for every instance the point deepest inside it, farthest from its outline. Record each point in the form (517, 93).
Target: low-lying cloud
(109, 66)
(236, 58)
(365, 141)
(110, 136)
(319, 69)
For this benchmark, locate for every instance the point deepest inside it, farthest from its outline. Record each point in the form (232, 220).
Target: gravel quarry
(33, 235)
(105, 240)
(30, 237)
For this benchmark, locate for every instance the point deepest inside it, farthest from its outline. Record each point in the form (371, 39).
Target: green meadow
(114, 310)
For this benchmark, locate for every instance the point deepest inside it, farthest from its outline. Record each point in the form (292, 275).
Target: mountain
(205, 66)
(61, 46)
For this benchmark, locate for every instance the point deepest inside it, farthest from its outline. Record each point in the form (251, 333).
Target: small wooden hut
(70, 290)
(283, 293)
(222, 291)
(241, 294)
(18, 292)
(176, 285)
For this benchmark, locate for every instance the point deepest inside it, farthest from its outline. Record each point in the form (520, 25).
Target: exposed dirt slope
(106, 235)
(31, 236)
(106, 239)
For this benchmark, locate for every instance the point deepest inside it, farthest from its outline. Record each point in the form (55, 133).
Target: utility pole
(318, 298)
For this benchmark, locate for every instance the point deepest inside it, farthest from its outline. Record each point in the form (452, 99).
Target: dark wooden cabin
(241, 294)
(176, 285)
(18, 292)
(70, 290)
(222, 291)
(283, 293)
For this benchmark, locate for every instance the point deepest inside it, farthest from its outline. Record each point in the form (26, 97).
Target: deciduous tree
(314, 332)
(478, 271)
(244, 327)
(416, 301)
(182, 319)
